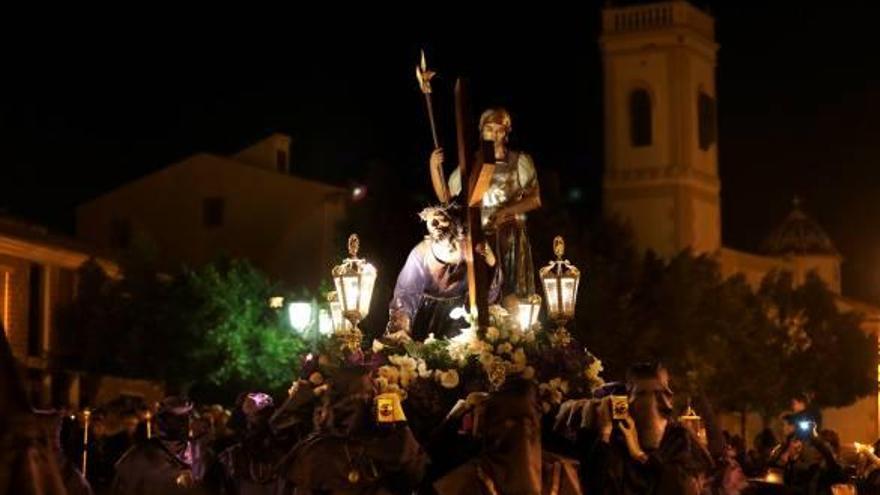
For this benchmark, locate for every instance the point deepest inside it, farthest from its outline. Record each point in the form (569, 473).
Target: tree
(207, 330)
(824, 351)
(233, 340)
(746, 350)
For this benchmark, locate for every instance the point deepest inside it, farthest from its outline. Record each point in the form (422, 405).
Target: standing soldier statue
(512, 192)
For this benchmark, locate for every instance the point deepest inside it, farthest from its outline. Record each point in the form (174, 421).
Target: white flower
(479, 346)
(486, 359)
(458, 352)
(316, 378)
(377, 346)
(492, 334)
(449, 378)
(423, 370)
(403, 362)
(430, 339)
(505, 348)
(497, 311)
(407, 376)
(389, 373)
(466, 336)
(519, 358)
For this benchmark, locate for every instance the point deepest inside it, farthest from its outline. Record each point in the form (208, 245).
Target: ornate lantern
(560, 280)
(354, 280)
(528, 309)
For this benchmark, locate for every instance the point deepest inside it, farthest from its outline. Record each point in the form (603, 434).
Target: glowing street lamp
(300, 315)
(325, 322)
(560, 280)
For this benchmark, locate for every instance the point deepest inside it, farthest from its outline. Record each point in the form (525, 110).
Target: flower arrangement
(433, 374)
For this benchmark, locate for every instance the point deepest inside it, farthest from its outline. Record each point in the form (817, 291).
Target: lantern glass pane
(336, 315)
(569, 291)
(534, 311)
(551, 293)
(349, 293)
(368, 280)
(524, 315)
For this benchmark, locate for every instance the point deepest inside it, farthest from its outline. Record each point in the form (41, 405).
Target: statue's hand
(398, 321)
(486, 252)
(436, 160)
(400, 336)
(398, 327)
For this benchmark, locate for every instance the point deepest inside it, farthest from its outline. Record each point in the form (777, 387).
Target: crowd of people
(329, 439)
(340, 436)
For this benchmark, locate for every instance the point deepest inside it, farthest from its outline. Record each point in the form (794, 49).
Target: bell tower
(661, 149)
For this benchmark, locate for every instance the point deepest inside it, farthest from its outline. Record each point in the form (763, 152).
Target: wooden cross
(476, 171)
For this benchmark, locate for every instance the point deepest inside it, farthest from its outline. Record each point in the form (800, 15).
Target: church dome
(799, 234)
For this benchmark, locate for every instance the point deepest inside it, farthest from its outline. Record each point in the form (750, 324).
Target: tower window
(213, 210)
(640, 117)
(706, 118)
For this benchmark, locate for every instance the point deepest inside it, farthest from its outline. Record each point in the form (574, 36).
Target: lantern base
(560, 337)
(350, 338)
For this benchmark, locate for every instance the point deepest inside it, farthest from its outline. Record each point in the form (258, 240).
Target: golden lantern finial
(354, 245)
(558, 247)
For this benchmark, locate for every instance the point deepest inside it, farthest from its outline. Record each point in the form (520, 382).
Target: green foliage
(235, 337)
(208, 328)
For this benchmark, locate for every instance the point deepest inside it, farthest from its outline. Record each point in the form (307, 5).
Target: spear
(424, 76)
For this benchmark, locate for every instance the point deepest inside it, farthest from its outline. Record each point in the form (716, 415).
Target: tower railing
(657, 16)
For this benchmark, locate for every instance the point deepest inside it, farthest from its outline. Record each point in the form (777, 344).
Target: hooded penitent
(650, 403)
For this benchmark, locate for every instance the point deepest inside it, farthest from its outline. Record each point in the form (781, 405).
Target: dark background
(89, 106)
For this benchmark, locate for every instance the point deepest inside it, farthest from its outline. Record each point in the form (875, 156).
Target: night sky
(91, 107)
